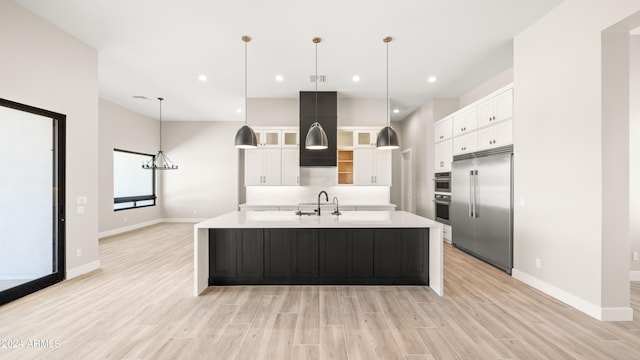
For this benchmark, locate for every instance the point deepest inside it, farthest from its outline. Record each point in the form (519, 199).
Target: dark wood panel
(277, 260)
(415, 253)
(250, 253)
(222, 253)
(388, 253)
(333, 253)
(360, 254)
(305, 254)
(327, 116)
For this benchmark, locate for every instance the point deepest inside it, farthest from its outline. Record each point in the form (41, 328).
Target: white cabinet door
(365, 138)
(268, 138)
(495, 109)
(364, 166)
(465, 121)
(465, 144)
(253, 167)
(382, 175)
(504, 106)
(290, 138)
(497, 135)
(443, 130)
(272, 167)
(290, 167)
(443, 156)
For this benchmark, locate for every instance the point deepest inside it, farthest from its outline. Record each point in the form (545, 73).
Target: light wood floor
(140, 306)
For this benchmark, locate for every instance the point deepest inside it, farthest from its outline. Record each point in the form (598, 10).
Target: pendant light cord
(388, 113)
(245, 83)
(316, 81)
(160, 122)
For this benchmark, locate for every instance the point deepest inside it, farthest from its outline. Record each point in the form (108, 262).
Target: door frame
(58, 218)
(407, 171)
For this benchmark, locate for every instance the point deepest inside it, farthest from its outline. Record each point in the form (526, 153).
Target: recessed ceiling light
(279, 78)
(356, 78)
(202, 77)
(238, 110)
(432, 79)
(395, 111)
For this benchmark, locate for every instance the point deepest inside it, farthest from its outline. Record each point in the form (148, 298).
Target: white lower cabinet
(291, 166)
(372, 167)
(262, 167)
(497, 135)
(443, 156)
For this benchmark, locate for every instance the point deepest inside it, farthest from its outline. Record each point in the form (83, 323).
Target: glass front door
(31, 199)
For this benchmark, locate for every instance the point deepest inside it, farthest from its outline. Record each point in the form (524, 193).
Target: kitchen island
(279, 247)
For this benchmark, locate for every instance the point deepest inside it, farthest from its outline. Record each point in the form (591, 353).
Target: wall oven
(442, 204)
(442, 182)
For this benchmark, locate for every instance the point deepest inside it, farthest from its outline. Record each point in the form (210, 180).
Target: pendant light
(387, 137)
(316, 136)
(160, 161)
(246, 137)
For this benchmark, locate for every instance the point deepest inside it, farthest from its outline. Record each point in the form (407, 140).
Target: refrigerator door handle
(471, 193)
(475, 193)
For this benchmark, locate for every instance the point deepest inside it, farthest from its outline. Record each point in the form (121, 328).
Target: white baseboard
(616, 314)
(634, 276)
(603, 314)
(82, 269)
(184, 220)
(128, 228)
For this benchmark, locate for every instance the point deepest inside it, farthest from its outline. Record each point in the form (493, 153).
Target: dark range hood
(327, 116)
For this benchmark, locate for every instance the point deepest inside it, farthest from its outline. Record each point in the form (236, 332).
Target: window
(133, 186)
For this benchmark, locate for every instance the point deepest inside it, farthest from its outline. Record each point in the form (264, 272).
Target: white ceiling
(158, 48)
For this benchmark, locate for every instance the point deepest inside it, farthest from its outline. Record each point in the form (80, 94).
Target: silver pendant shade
(316, 138)
(387, 137)
(160, 161)
(245, 137)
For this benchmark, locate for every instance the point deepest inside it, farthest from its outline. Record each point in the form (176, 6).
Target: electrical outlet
(635, 256)
(538, 263)
(79, 210)
(78, 252)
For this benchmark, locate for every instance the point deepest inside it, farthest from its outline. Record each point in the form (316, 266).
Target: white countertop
(323, 205)
(288, 219)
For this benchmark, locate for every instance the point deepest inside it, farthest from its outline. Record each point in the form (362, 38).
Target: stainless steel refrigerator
(482, 205)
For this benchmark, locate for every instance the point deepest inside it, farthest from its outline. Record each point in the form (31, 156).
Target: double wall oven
(442, 197)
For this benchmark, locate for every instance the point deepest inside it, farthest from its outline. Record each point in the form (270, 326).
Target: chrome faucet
(337, 210)
(326, 197)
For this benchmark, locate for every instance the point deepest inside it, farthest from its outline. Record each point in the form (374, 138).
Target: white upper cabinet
(496, 109)
(372, 167)
(443, 155)
(365, 138)
(465, 144)
(443, 129)
(465, 121)
(345, 139)
(268, 138)
(497, 135)
(262, 167)
(290, 166)
(290, 138)
(276, 160)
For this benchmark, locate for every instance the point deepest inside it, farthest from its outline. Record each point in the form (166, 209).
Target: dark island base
(319, 256)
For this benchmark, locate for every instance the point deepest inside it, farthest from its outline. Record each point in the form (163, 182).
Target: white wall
(634, 153)
(206, 184)
(497, 82)
(44, 67)
(123, 129)
(558, 130)
(416, 133)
